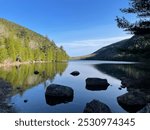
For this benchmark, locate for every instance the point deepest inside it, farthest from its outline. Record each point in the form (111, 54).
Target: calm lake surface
(29, 89)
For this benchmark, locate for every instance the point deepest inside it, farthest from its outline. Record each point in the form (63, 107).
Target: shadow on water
(136, 79)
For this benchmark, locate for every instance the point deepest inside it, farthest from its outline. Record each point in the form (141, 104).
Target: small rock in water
(36, 72)
(25, 101)
(75, 73)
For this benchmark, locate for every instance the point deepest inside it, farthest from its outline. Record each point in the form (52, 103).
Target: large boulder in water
(56, 94)
(96, 106)
(96, 84)
(132, 101)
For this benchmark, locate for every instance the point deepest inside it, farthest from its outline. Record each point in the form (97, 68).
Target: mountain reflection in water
(136, 79)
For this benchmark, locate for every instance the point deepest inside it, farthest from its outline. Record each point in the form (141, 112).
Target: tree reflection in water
(23, 77)
(135, 78)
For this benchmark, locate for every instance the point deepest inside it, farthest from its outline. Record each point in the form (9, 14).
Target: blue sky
(81, 26)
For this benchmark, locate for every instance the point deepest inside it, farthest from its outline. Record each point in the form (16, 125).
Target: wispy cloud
(94, 42)
(83, 47)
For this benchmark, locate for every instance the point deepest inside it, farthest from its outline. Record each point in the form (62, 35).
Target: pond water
(29, 89)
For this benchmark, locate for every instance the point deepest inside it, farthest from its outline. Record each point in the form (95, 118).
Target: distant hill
(136, 48)
(21, 44)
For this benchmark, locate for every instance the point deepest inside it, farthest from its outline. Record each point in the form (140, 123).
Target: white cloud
(83, 47)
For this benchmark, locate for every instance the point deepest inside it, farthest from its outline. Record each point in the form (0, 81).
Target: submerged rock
(56, 94)
(75, 73)
(96, 84)
(132, 101)
(96, 106)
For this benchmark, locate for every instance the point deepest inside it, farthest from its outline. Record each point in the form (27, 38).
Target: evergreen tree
(142, 10)
(10, 46)
(3, 54)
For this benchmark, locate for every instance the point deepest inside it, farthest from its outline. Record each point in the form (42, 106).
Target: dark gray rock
(96, 106)
(132, 101)
(56, 94)
(75, 73)
(125, 82)
(96, 84)
(146, 109)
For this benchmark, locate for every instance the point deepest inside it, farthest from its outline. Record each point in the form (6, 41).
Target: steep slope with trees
(136, 48)
(18, 43)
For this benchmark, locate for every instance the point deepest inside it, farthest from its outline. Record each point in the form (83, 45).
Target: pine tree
(10, 46)
(142, 10)
(3, 54)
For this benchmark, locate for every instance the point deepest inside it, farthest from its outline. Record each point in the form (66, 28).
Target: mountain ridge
(137, 48)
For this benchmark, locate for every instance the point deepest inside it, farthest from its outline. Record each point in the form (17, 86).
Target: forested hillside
(18, 43)
(136, 48)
